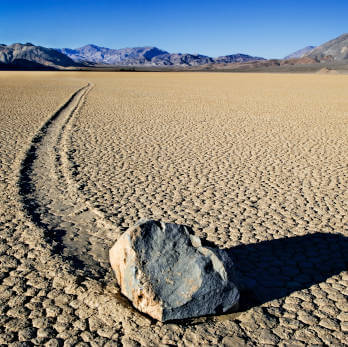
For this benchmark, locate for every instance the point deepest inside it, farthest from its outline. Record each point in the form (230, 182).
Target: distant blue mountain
(103, 55)
(149, 56)
(300, 53)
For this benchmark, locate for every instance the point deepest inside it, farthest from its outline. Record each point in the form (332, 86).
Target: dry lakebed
(254, 163)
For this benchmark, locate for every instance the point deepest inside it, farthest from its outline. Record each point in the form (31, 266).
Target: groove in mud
(26, 185)
(48, 198)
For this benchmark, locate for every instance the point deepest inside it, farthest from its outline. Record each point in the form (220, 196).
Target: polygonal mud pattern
(254, 161)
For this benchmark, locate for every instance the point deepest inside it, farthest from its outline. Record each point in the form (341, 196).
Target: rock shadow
(273, 269)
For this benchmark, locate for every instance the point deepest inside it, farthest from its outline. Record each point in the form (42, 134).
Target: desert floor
(256, 163)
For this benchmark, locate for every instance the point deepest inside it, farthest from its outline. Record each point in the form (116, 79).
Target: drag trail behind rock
(54, 203)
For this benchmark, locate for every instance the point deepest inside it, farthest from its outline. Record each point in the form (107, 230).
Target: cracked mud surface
(254, 163)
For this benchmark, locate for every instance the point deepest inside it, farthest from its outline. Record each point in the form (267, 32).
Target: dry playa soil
(255, 163)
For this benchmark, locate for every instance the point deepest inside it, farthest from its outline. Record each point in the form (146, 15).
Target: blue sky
(270, 29)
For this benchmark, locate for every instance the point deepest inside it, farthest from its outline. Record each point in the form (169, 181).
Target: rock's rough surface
(167, 273)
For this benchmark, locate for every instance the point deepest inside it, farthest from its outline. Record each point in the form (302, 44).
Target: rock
(167, 273)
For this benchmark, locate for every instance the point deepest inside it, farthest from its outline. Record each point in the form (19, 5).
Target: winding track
(52, 200)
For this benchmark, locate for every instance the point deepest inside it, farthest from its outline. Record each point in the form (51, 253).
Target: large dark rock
(167, 273)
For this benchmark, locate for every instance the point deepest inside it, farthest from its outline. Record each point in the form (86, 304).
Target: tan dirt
(257, 163)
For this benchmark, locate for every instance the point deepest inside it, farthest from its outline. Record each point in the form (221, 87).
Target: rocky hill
(335, 50)
(179, 59)
(300, 53)
(236, 58)
(149, 56)
(27, 55)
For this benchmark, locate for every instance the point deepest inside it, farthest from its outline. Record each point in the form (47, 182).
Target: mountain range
(148, 56)
(103, 55)
(29, 56)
